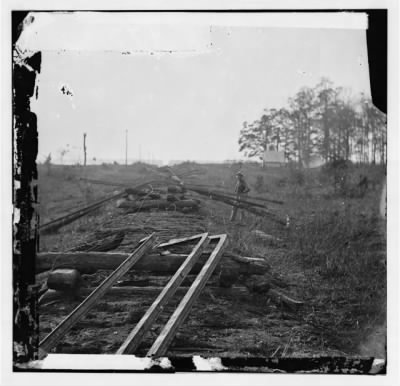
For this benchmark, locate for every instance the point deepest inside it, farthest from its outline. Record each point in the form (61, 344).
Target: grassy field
(332, 256)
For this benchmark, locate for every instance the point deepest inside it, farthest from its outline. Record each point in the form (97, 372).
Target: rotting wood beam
(136, 336)
(161, 344)
(59, 332)
(89, 262)
(129, 292)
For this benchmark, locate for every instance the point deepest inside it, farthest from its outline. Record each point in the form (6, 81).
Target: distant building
(315, 161)
(274, 158)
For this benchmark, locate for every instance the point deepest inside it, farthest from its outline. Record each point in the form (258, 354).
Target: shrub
(297, 176)
(259, 185)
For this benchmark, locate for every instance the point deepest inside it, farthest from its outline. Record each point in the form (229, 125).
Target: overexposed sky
(181, 90)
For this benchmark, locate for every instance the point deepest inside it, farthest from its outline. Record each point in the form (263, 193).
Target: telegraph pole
(126, 148)
(84, 149)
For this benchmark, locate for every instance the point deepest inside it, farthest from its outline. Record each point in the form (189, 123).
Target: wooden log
(130, 292)
(143, 193)
(281, 299)
(51, 339)
(159, 204)
(102, 245)
(145, 204)
(212, 189)
(175, 189)
(233, 256)
(262, 283)
(258, 284)
(64, 280)
(171, 198)
(89, 262)
(41, 278)
(128, 229)
(242, 204)
(187, 203)
(216, 195)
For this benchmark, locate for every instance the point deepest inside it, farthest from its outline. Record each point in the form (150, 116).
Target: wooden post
(126, 148)
(136, 335)
(161, 344)
(59, 332)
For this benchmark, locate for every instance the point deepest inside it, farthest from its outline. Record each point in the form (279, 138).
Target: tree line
(324, 121)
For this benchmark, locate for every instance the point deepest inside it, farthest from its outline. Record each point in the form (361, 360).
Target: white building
(274, 158)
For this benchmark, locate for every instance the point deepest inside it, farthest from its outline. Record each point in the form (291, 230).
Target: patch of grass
(340, 244)
(342, 252)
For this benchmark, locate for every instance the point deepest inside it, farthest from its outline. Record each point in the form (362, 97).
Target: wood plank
(58, 333)
(178, 241)
(161, 344)
(136, 336)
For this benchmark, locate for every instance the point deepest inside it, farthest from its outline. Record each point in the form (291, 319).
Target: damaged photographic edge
(26, 69)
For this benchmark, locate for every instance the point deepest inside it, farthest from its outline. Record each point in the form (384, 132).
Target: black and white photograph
(201, 190)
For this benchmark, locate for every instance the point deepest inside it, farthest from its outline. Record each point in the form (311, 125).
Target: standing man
(241, 190)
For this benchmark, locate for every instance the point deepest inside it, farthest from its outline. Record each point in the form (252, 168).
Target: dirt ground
(332, 257)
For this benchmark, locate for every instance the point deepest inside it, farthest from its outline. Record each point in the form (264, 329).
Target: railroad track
(164, 339)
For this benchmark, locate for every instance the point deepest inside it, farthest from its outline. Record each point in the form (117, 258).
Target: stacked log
(161, 204)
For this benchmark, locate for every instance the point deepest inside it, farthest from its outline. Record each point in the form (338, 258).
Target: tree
(302, 113)
(255, 137)
(326, 121)
(325, 96)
